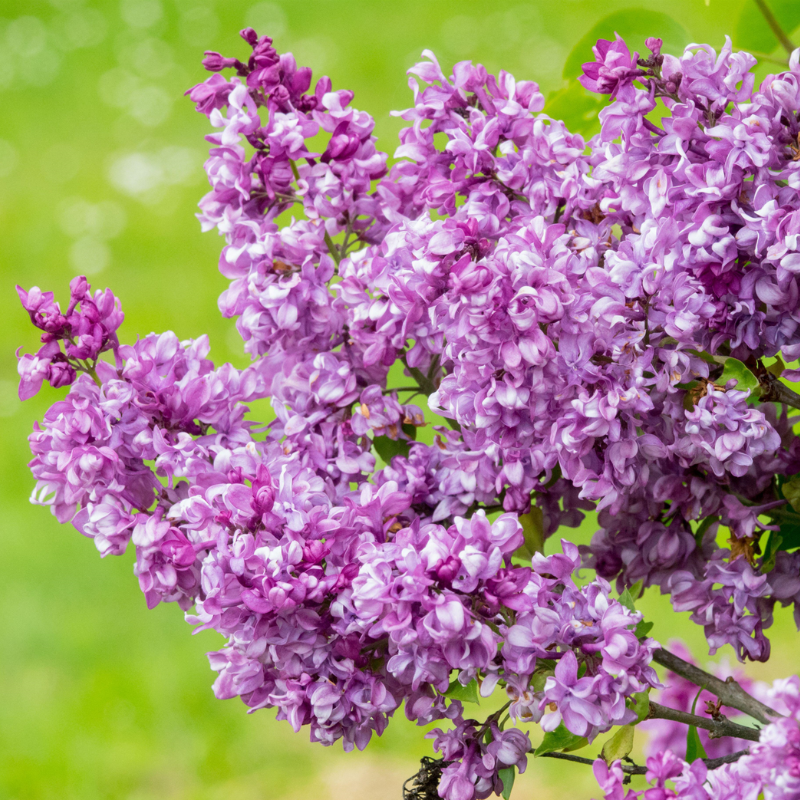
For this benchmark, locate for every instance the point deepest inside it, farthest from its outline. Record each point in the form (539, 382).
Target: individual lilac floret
(613, 70)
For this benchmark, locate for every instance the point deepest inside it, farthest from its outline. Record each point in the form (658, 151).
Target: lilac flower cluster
(570, 309)
(71, 341)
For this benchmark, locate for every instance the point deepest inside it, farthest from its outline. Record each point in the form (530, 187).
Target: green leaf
(637, 589)
(641, 706)
(738, 371)
(788, 537)
(578, 744)
(627, 600)
(577, 107)
(559, 739)
(777, 368)
(694, 747)
(771, 551)
(466, 694)
(790, 534)
(533, 531)
(388, 448)
(704, 526)
(539, 678)
(753, 32)
(707, 357)
(507, 776)
(410, 430)
(634, 25)
(619, 745)
(643, 628)
(791, 491)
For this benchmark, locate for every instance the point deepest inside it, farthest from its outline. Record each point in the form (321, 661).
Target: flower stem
(92, 373)
(427, 387)
(332, 249)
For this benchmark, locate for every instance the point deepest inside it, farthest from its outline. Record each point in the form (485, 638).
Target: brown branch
(713, 763)
(774, 391)
(773, 23)
(635, 769)
(718, 728)
(731, 694)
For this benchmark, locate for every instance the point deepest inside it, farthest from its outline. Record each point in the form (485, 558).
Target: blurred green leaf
(752, 31)
(634, 25)
(507, 776)
(577, 107)
(578, 744)
(619, 745)
(539, 678)
(788, 537)
(790, 533)
(643, 628)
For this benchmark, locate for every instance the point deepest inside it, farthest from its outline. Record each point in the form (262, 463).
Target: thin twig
(427, 387)
(486, 509)
(731, 694)
(773, 23)
(718, 728)
(713, 763)
(332, 249)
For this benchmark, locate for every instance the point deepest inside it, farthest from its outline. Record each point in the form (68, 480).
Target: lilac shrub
(599, 326)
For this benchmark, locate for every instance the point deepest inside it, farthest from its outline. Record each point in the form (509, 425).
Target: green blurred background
(100, 170)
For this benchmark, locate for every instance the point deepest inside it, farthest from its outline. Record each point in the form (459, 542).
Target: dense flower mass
(599, 325)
